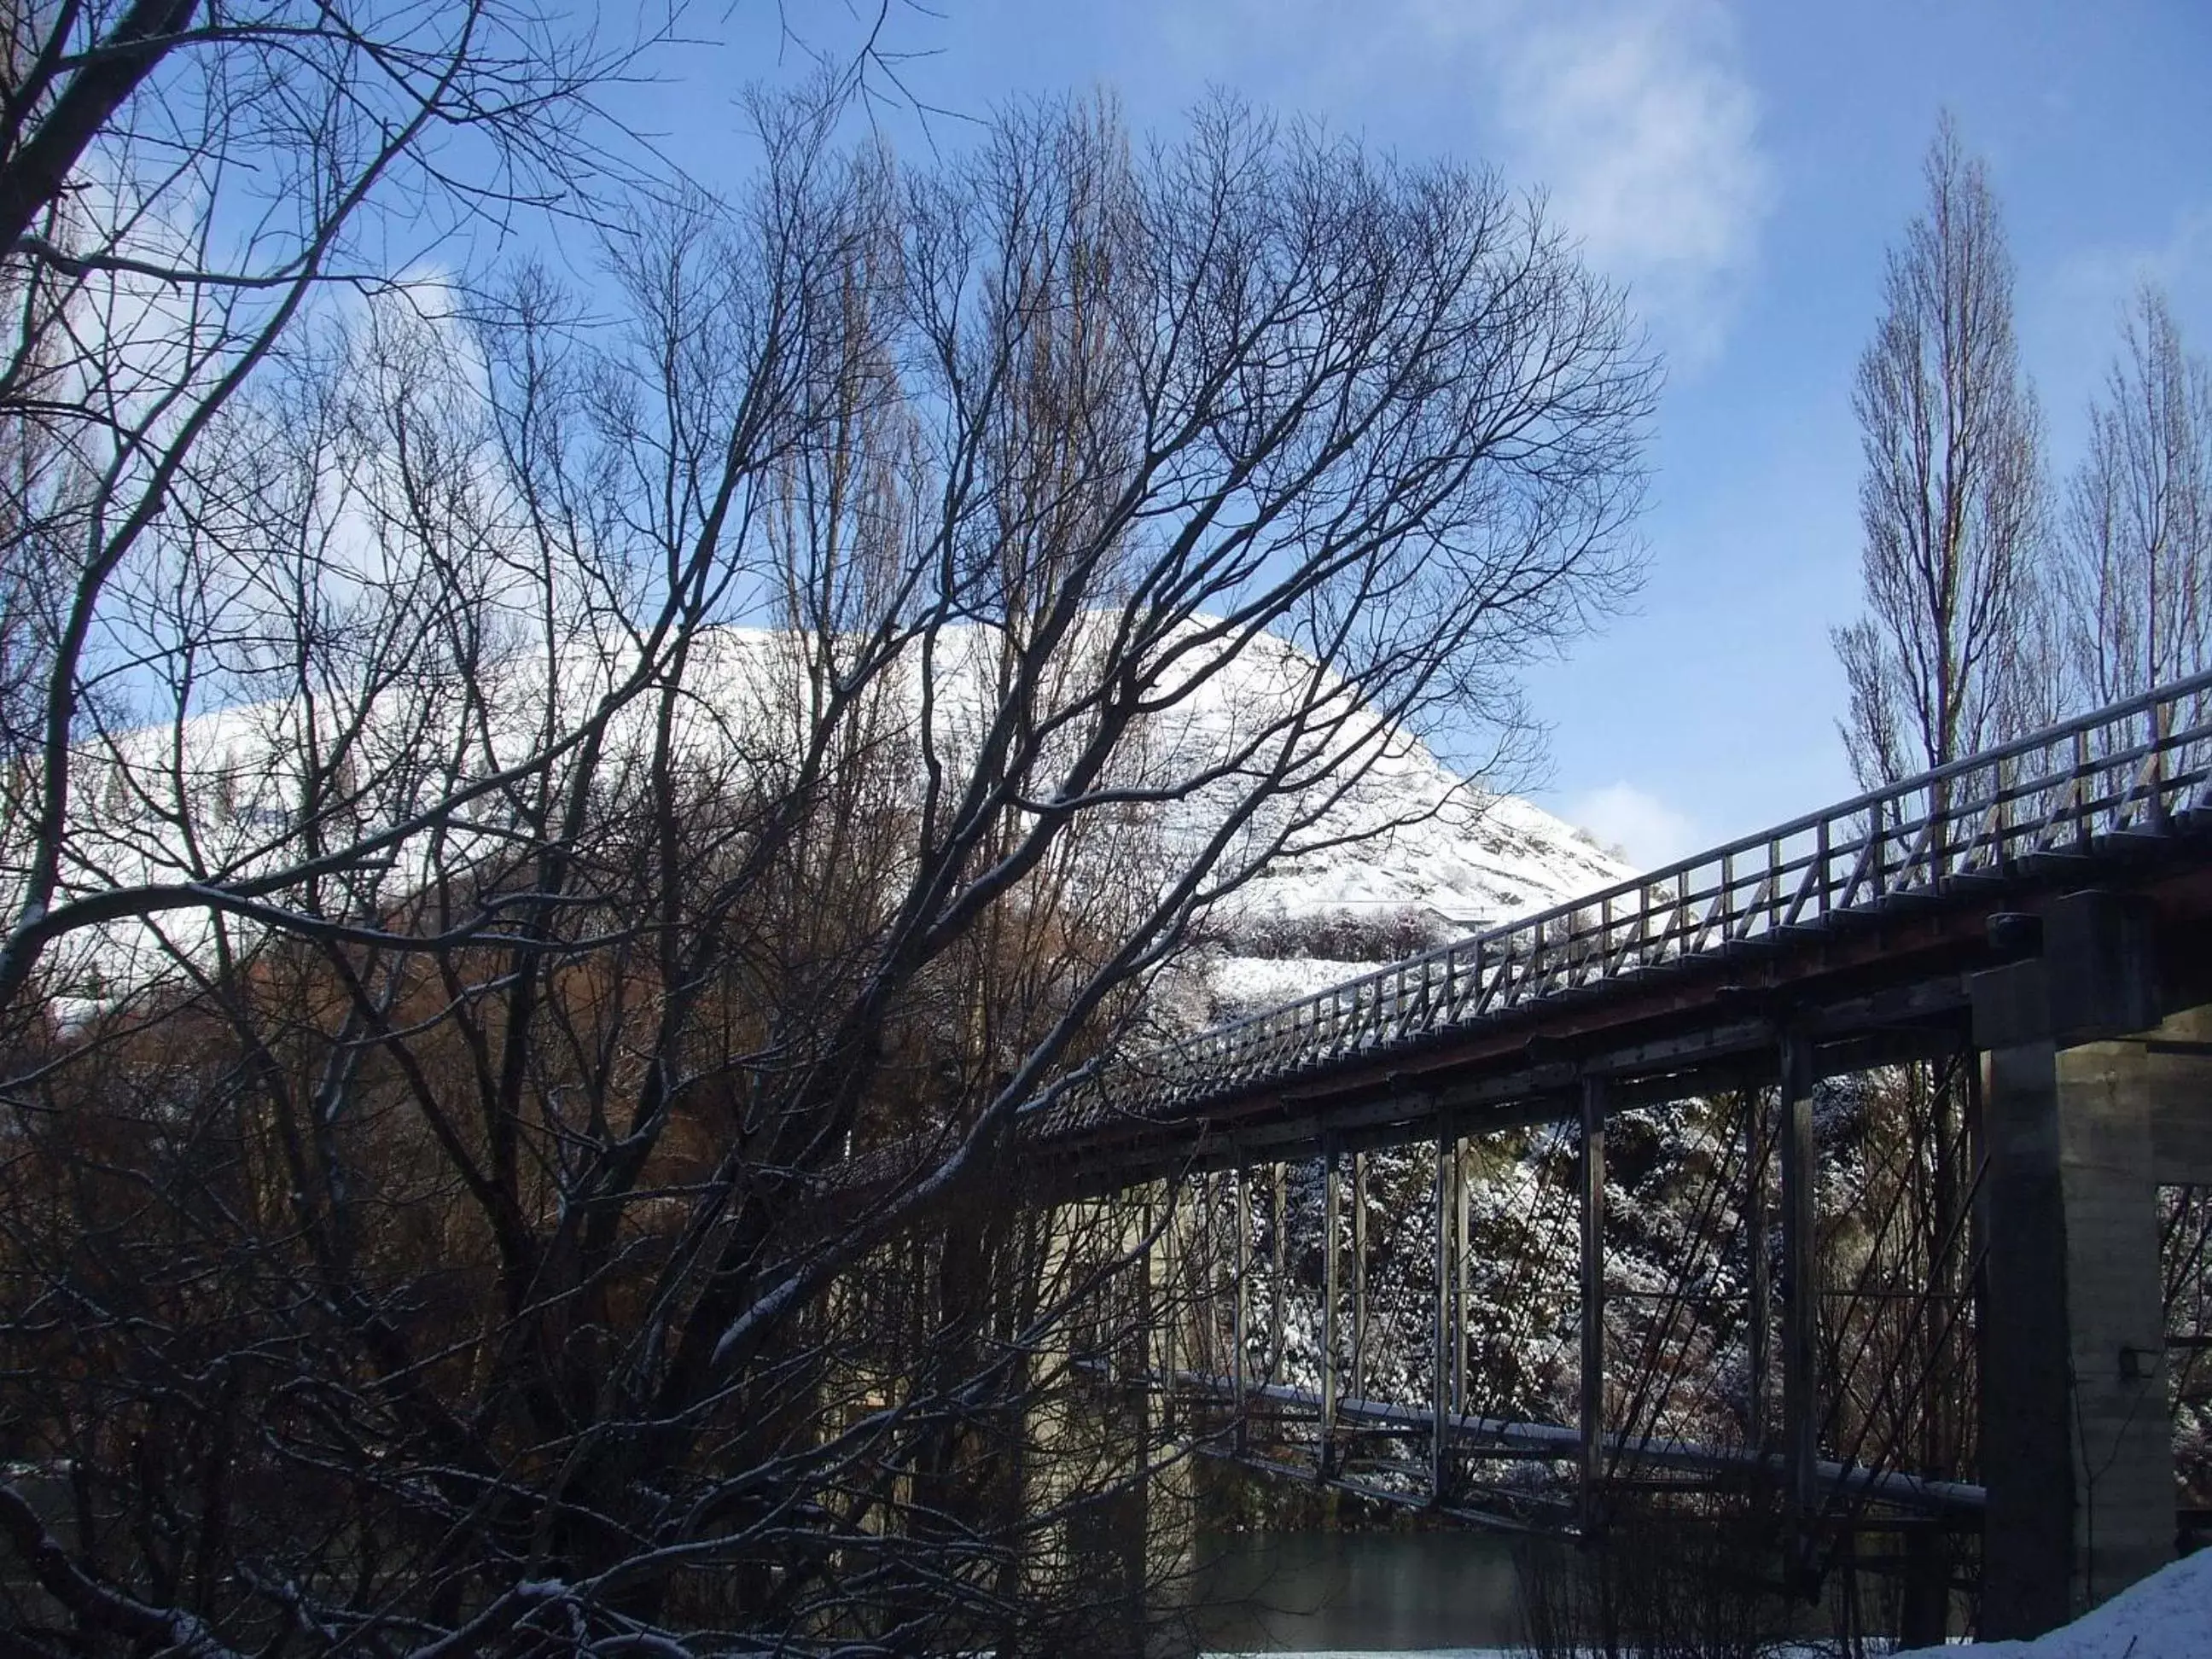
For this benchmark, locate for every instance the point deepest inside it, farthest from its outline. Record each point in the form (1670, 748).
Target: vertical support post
(1332, 1217)
(1275, 1284)
(1241, 1310)
(1202, 1338)
(1440, 1373)
(1357, 1390)
(1461, 1387)
(1801, 1332)
(1170, 1273)
(1132, 1403)
(1757, 1223)
(1147, 1301)
(1593, 1297)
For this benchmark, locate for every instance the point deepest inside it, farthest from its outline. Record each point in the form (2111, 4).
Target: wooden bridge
(2039, 917)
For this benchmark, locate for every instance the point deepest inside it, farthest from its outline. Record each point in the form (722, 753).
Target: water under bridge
(2035, 920)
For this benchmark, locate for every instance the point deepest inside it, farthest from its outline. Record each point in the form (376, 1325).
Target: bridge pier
(2076, 1447)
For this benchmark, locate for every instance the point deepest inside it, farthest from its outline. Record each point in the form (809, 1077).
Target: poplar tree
(2135, 576)
(1952, 501)
(1952, 515)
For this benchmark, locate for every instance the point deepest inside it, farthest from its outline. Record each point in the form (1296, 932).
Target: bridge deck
(1854, 927)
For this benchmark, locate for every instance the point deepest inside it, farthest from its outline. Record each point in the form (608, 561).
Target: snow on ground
(2168, 1616)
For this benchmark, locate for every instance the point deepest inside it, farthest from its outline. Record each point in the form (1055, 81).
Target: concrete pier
(2091, 1102)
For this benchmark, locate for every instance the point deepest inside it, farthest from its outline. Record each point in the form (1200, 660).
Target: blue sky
(1742, 167)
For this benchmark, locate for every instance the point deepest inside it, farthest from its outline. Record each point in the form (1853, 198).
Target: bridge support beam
(1593, 1298)
(1332, 1218)
(1461, 1296)
(1240, 1318)
(1169, 1262)
(1446, 1313)
(1758, 1229)
(2076, 1446)
(1279, 1266)
(1801, 1312)
(1358, 1371)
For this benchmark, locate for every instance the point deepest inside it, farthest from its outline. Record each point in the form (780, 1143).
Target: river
(1309, 1592)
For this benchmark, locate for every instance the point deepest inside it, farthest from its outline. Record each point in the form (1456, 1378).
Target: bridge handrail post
(2006, 825)
(1773, 883)
(2081, 790)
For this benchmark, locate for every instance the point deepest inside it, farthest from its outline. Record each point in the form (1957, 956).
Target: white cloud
(2075, 311)
(1637, 118)
(2180, 260)
(1649, 831)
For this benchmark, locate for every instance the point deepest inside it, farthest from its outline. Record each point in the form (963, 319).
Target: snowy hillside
(1465, 860)
(1406, 857)
(1411, 855)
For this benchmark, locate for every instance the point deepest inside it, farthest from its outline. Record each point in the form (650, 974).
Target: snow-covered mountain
(1408, 855)
(1332, 916)
(1455, 859)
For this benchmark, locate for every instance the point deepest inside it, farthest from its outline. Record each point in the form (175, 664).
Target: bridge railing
(2133, 769)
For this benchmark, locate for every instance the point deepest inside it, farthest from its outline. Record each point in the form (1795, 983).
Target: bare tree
(1951, 504)
(180, 189)
(524, 1021)
(2136, 579)
(1952, 509)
